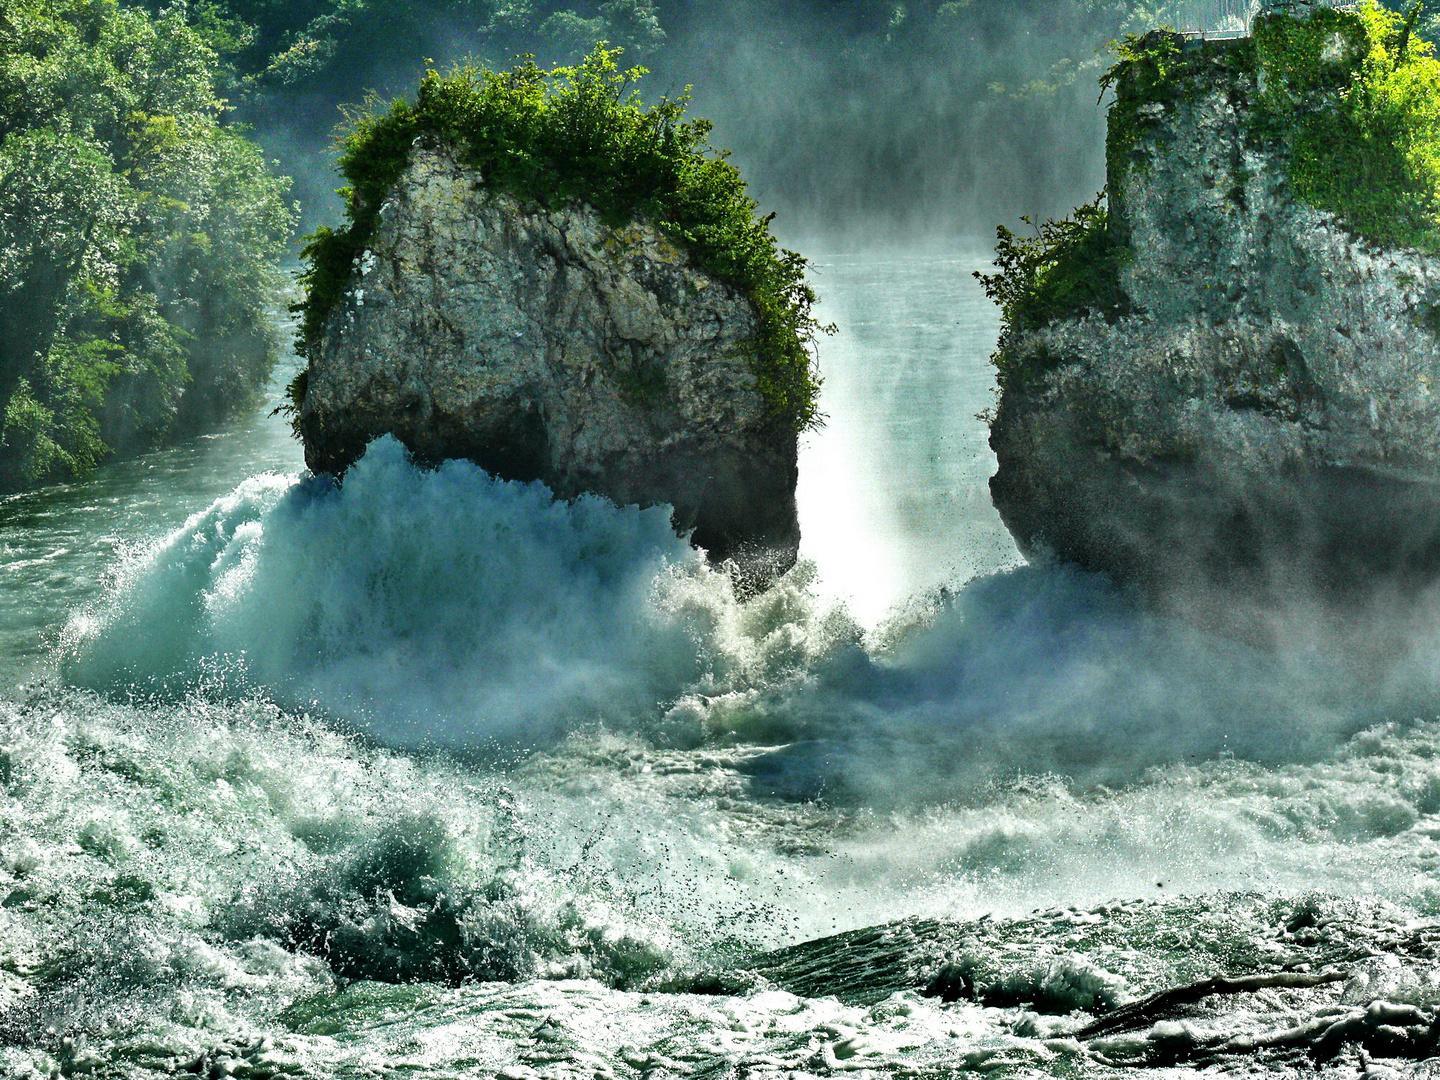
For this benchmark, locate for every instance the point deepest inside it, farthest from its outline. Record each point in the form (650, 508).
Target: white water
(629, 794)
(440, 605)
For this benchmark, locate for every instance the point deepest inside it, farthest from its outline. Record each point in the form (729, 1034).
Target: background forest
(144, 214)
(140, 238)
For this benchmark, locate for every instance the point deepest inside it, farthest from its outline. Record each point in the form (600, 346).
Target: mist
(858, 125)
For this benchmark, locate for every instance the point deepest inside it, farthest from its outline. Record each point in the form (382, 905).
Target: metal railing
(1210, 17)
(1220, 19)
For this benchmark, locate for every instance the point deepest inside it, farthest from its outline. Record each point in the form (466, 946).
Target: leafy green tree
(214, 227)
(1354, 95)
(139, 239)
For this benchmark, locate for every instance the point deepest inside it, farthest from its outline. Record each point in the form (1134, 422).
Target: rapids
(428, 775)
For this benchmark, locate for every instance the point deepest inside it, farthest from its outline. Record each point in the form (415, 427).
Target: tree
(139, 239)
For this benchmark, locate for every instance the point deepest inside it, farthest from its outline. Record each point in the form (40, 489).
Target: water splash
(430, 607)
(448, 609)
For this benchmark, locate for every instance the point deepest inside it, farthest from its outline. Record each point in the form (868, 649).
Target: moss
(1428, 318)
(643, 383)
(573, 135)
(1066, 268)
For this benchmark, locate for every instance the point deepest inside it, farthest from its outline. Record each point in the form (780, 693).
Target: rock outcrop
(1260, 418)
(547, 345)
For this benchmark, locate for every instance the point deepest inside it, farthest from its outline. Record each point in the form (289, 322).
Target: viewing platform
(1230, 20)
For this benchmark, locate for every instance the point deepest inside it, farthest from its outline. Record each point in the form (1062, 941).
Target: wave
(446, 608)
(428, 606)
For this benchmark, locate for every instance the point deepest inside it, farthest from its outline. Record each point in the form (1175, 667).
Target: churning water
(428, 773)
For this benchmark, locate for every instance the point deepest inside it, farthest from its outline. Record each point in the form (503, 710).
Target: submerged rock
(1252, 412)
(547, 345)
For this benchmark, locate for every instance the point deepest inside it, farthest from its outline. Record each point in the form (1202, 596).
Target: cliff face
(546, 345)
(1260, 412)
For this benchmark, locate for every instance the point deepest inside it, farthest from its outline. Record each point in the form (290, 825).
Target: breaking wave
(449, 609)
(436, 606)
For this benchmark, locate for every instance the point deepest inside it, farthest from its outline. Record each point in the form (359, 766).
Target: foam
(430, 607)
(447, 608)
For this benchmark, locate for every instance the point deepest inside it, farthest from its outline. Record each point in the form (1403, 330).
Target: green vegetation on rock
(1346, 99)
(1068, 267)
(581, 135)
(1349, 96)
(1355, 96)
(139, 239)
(861, 117)
(1149, 68)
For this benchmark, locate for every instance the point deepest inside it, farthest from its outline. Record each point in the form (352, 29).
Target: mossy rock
(573, 136)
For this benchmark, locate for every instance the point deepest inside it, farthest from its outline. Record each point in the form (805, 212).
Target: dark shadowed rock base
(1180, 530)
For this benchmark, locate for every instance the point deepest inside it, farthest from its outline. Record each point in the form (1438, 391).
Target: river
(427, 776)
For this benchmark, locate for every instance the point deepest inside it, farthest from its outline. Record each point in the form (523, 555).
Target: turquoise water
(58, 545)
(894, 495)
(429, 776)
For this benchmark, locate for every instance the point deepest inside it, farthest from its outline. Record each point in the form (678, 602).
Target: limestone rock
(1263, 421)
(546, 345)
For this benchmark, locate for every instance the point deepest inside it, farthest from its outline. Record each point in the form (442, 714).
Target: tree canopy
(139, 238)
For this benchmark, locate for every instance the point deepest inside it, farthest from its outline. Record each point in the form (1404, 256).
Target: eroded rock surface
(1262, 418)
(546, 345)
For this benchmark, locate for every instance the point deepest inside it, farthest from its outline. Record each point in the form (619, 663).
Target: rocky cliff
(1220, 385)
(548, 345)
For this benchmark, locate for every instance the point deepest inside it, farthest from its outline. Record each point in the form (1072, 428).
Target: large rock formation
(547, 345)
(1259, 417)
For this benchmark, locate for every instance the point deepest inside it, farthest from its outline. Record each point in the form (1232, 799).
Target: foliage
(1355, 96)
(138, 239)
(1067, 267)
(581, 134)
(215, 227)
(323, 44)
(937, 113)
(1144, 71)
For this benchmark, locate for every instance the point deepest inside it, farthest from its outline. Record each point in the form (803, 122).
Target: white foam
(438, 606)
(445, 607)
